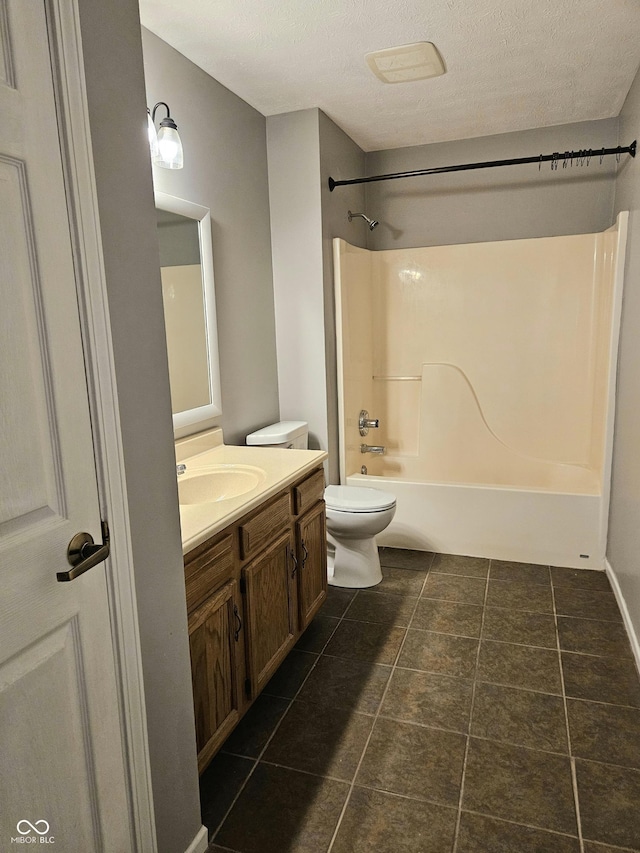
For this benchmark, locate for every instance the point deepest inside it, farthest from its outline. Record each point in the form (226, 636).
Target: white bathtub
(506, 523)
(491, 370)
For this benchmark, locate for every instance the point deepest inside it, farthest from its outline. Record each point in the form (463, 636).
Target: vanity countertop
(281, 467)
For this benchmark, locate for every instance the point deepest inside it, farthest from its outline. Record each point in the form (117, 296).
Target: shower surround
(491, 367)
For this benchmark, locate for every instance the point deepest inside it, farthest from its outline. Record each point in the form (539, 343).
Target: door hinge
(243, 585)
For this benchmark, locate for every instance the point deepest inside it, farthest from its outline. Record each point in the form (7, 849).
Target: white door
(62, 770)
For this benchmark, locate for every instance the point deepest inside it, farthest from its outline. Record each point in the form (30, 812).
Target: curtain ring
(602, 155)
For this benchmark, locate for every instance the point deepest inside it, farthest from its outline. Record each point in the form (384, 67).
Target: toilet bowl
(354, 516)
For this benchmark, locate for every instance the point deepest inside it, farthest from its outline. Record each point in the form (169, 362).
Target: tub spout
(372, 448)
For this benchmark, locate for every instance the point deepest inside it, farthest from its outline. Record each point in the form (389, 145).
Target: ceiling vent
(406, 63)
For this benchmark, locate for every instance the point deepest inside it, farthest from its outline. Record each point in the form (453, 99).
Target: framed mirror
(186, 265)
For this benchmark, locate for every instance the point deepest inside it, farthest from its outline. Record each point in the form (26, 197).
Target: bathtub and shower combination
(491, 369)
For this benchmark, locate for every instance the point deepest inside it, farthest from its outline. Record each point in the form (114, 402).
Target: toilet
(355, 515)
(283, 434)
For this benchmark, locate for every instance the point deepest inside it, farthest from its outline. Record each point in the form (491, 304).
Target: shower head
(372, 223)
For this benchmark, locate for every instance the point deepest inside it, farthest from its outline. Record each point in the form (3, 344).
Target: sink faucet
(372, 448)
(181, 468)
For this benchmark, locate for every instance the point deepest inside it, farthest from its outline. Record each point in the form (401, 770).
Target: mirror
(186, 265)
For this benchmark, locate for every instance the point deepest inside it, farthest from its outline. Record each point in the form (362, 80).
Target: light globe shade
(170, 154)
(153, 137)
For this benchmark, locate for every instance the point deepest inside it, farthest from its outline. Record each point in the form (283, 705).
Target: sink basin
(218, 483)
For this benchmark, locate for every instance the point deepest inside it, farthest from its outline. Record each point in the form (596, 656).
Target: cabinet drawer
(308, 492)
(265, 525)
(207, 570)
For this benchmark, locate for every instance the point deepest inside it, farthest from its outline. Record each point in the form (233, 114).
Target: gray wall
(296, 229)
(492, 204)
(225, 169)
(305, 147)
(115, 88)
(624, 530)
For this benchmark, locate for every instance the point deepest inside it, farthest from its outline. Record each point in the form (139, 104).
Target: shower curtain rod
(580, 156)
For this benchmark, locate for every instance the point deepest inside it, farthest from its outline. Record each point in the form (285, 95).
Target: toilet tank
(283, 434)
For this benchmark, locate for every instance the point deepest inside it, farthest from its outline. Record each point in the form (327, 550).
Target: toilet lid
(357, 499)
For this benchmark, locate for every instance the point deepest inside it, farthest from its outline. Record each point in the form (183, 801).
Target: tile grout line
(276, 727)
(377, 714)
(572, 763)
(456, 833)
(597, 761)
(512, 822)
(492, 639)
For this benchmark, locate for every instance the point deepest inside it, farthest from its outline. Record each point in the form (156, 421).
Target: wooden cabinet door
(311, 542)
(270, 610)
(214, 632)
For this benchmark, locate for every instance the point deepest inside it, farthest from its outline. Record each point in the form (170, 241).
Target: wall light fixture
(165, 145)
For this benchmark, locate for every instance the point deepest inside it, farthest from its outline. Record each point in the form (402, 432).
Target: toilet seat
(357, 499)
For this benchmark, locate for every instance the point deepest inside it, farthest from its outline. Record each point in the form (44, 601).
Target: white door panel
(27, 682)
(60, 733)
(31, 469)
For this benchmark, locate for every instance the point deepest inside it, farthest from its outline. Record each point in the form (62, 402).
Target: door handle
(294, 560)
(305, 554)
(83, 554)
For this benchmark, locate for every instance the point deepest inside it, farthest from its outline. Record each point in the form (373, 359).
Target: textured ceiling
(511, 64)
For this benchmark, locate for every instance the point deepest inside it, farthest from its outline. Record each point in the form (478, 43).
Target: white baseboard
(622, 604)
(200, 843)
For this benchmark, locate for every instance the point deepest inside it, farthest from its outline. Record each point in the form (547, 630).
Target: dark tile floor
(462, 706)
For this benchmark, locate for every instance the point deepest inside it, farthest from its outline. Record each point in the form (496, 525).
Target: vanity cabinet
(251, 591)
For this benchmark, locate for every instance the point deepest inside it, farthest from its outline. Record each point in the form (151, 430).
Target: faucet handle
(365, 423)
